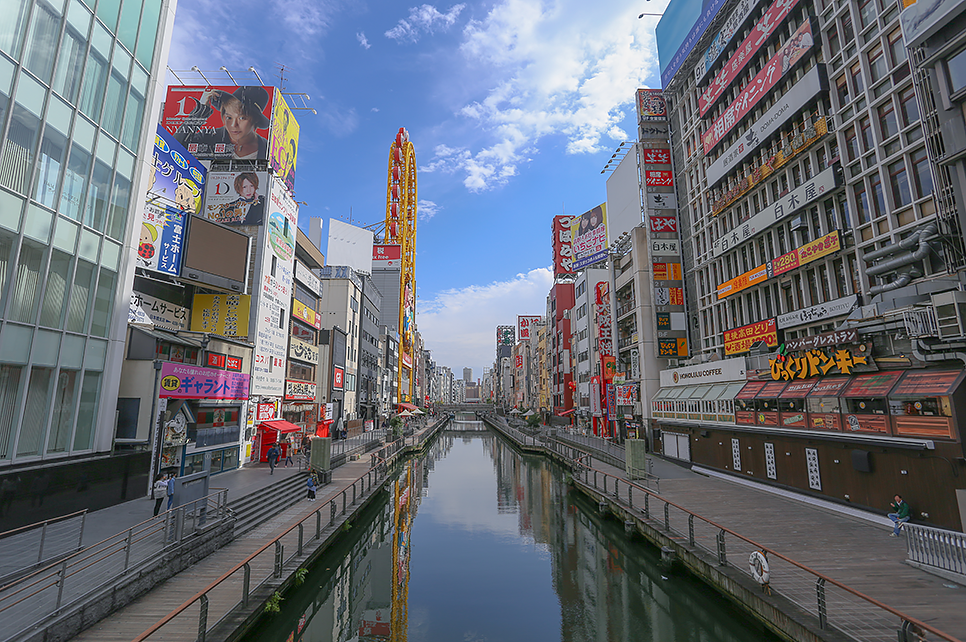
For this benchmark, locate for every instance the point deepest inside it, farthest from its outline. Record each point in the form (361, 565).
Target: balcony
(624, 308)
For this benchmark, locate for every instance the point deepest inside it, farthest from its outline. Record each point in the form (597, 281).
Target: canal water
(474, 542)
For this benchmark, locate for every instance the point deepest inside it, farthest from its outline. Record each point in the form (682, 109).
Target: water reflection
(475, 542)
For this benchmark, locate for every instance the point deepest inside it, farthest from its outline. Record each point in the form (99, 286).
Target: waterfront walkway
(854, 549)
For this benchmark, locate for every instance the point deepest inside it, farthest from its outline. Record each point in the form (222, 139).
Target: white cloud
(460, 325)
(566, 68)
(424, 19)
(361, 37)
(426, 210)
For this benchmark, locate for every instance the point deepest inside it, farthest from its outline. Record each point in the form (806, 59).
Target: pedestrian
(170, 489)
(159, 492)
(272, 455)
(312, 487)
(899, 514)
(290, 446)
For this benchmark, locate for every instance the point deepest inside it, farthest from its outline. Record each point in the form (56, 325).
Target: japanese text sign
(740, 339)
(816, 363)
(663, 223)
(224, 314)
(524, 323)
(563, 254)
(192, 382)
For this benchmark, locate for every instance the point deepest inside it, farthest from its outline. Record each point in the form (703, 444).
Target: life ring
(759, 567)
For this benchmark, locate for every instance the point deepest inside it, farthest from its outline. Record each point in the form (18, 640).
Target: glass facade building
(78, 81)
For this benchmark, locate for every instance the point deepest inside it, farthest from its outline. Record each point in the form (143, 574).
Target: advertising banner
(299, 390)
(237, 198)
(785, 108)
(164, 315)
(838, 337)
(626, 394)
(663, 223)
(162, 235)
(667, 271)
(505, 335)
(731, 25)
(275, 292)
(518, 360)
(680, 29)
(746, 280)
(179, 179)
(192, 382)
(807, 192)
(771, 20)
(819, 362)
(283, 150)
(562, 243)
(655, 133)
(718, 372)
(658, 178)
(651, 105)
(807, 253)
(663, 247)
(673, 347)
(220, 122)
(660, 156)
(338, 378)
(303, 351)
(304, 276)
(772, 73)
(668, 296)
(265, 411)
(818, 312)
(605, 341)
(524, 323)
(386, 256)
(303, 312)
(224, 314)
(595, 392)
(588, 233)
(740, 339)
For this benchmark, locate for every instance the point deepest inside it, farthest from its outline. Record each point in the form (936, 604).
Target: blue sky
(513, 107)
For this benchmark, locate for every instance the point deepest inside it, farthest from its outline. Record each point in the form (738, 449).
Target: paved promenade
(855, 550)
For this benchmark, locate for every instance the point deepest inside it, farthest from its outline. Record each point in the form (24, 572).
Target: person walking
(272, 455)
(159, 492)
(170, 490)
(290, 446)
(899, 516)
(312, 488)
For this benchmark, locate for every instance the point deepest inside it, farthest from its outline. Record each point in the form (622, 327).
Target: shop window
(866, 406)
(921, 407)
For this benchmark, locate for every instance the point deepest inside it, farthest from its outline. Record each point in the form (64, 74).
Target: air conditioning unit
(950, 310)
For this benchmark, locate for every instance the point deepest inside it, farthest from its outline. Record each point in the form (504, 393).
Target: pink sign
(766, 26)
(760, 85)
(179, 381)
(663, 223)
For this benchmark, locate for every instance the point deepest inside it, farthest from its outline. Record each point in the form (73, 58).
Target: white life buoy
(759, 567)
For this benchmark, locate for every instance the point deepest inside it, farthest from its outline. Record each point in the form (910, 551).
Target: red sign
(525, 323)
(659, 178)
(338, 375)
(387, 255)
(216, 360)
(657, 156)
(773, 72)
(740, 339)
(233, 363)
(563, 253)
(663, 223)
(667, 272)
(265, 412)
(519, 360)
(766, 25)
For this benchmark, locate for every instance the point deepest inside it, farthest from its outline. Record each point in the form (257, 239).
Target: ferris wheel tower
(400, 229)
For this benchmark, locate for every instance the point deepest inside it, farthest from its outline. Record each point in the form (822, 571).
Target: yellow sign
(815, 363)
(224, 314)
(305, 313)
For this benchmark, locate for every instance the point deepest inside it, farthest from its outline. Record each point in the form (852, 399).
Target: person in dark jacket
(899, 514)
(272, 455)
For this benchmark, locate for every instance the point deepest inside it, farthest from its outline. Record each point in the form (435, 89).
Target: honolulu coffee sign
(712, 372)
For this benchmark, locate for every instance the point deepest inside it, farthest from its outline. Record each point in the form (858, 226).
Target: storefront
(277, 431)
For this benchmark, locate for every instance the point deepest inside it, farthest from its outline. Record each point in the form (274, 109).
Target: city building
(342, 307)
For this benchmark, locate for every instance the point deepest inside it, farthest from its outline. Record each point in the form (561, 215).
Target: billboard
(680, 29)
(274, 292)
(179, 381)
(505, 335)
(741, 339)
(764, 28)
(237, 198)
(759, 86)
(220, 122)
(811, 251)
(651, 105)
(283, 150)
(744, 281)
(731, 25)
(588, 234)
(524, 323)
(178, 179)
(562, 241)
(224, 314)
(386, 256)
(161, 239)
(350, 245)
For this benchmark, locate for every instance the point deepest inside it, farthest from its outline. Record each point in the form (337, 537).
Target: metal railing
(33, 600)
(608, 448)
(833, 604)
(518, 436)
(936, 548)
(234, 589)
(51, 539)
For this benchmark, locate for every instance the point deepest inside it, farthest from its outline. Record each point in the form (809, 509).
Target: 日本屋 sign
(192, 382)
(739, 340)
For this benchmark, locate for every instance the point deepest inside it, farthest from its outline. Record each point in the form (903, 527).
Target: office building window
(922, 173)
(62, 411)
(901, 193)
(35, 412)
(862, 203)
(87, 411)
(956, 64)
(887, 120)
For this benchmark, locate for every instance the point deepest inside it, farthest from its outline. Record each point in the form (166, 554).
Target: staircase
(254, 508)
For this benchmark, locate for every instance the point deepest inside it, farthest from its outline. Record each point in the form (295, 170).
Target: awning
(771, 390)
(698, 392)
(829, 387)
(730, 391)
(715, 392)
(566, 412)
(678, 393)
(280, 425)
(662, 394)
(406, 406)
(169, 337)
(941, 383)
(798, 389)
(751, 389)
(876, 384)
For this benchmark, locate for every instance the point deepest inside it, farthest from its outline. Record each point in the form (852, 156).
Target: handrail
(769, 551)
(46, 522)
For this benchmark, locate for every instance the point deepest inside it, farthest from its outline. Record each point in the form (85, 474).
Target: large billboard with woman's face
(220, 122)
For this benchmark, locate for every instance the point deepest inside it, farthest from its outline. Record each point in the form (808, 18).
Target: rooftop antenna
(281, 75)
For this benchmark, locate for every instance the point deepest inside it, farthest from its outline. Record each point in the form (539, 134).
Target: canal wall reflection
(474, 541)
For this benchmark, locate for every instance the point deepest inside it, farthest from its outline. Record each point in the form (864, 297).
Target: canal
(475, 542)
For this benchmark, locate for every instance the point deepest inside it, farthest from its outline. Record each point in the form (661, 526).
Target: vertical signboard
(284, 144)
(525, 323)
(562, 242)
(663, 241)
(162, 234)
(274, 292)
